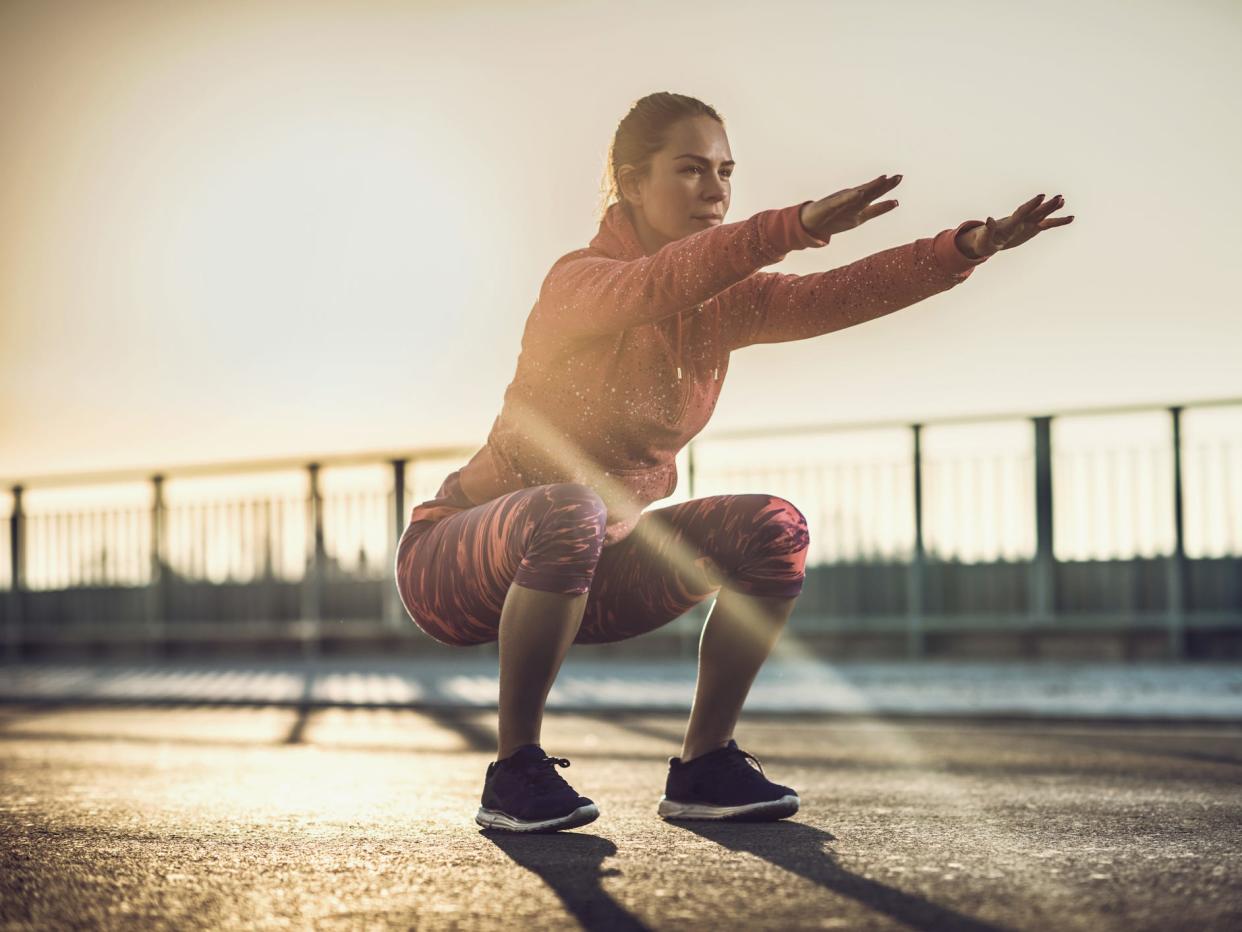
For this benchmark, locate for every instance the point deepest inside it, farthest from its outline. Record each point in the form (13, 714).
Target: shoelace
(738, 758)
(542, 773)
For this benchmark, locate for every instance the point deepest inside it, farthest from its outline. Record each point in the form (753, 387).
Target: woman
(540, 540)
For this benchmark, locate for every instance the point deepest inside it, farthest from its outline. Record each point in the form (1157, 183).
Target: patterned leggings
(453, 575)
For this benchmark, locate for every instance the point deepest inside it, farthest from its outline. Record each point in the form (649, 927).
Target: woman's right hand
(848, 208)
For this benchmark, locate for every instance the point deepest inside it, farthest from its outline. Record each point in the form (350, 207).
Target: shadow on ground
(571, 864)
(799, 849)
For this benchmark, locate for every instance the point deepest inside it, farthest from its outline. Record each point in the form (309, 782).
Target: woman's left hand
(1014, 230)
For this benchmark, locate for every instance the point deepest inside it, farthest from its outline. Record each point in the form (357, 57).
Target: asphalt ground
(207, 817)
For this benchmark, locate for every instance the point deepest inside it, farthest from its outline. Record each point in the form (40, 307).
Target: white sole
(758, 812)
(492, 818)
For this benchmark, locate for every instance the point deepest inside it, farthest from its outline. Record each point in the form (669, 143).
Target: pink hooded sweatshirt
(624, 353)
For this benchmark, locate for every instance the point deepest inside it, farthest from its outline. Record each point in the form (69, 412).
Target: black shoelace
(543, 776)
(739, 760)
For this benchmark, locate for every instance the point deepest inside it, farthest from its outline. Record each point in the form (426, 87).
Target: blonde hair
(642, 133)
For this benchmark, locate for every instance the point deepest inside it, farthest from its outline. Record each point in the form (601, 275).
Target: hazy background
(241, 230)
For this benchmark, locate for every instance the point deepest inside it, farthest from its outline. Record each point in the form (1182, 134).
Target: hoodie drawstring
(715, 341)
(679, 346)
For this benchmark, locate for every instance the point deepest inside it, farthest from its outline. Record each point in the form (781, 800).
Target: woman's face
(687, 187)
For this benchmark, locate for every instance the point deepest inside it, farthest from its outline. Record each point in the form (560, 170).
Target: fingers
(871, 191)
(1030, 205)
(1038, 214)
(1038, 211)
(877, 186)
(1039, 217)
(1055, 204)
(1028, 220)
(884, 184)
(874, 210)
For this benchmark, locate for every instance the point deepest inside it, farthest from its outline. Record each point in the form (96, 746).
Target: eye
(727, 173)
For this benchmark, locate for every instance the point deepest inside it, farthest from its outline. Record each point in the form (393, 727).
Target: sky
(247, 230)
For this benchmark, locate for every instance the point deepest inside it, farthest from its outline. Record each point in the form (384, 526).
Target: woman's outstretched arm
(586, 295)
(775, 308)
(772, 307)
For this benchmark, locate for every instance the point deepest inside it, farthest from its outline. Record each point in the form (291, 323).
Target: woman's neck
(650, 239)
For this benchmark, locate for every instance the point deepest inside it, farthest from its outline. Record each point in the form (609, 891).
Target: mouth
(710, 218)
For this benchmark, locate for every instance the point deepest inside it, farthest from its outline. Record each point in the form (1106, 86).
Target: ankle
(689, 753)
(510, 749)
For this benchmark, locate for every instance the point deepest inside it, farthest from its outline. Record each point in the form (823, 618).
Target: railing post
(1176, 564)
(157, 588)
(312, 578)
(1042, 605)
(17, 580)
(916, 645)
(394, 613)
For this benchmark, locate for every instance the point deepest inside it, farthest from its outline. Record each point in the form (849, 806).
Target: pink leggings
(453, 575)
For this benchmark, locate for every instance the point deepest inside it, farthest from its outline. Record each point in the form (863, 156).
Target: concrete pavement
(208, 817)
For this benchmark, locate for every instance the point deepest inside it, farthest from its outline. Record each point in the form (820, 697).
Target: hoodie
(624, 353)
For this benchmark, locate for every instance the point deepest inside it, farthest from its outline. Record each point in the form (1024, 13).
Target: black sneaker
(524, 793)
(723, 784)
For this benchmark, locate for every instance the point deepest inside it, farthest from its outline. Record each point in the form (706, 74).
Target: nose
(714, 189)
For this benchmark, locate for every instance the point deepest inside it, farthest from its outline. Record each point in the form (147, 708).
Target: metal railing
(919, 494)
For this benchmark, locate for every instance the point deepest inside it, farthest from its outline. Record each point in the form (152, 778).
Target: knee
(773, 562)
(566, 539)
(572, 506)
(780, 527)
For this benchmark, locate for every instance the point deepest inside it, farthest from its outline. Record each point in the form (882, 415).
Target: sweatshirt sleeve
(770, 307)
(586, 296)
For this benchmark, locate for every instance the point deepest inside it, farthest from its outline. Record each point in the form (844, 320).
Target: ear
(628, 181)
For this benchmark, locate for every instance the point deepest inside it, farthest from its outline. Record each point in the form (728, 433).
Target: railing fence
(912, 497)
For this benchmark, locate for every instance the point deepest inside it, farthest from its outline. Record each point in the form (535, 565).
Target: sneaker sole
(502, 821)
(767, 811)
